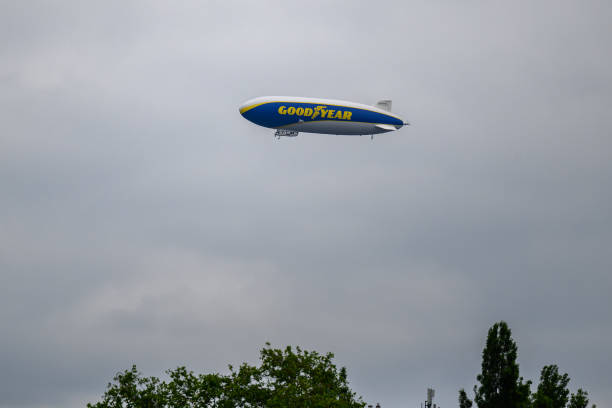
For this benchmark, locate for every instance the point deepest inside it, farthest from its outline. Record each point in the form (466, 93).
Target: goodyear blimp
(290, 115)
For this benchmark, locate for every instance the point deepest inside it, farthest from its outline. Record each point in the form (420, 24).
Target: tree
(132, 390)
(464, 401)
(501, 386)
(288, 378)
(580, 399)
(188, 390)
(552, 391)
(185, 389)
(285, 378)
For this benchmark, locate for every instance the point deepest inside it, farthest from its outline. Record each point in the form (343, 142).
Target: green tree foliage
(188, 390)
(552, 391)
(285, 378)
(579, 400)
(500, 384)
(131, 390)
(464, 401)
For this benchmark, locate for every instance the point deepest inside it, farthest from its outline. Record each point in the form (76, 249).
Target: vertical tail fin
(384, 104)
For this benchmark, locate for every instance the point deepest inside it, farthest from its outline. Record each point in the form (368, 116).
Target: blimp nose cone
(243, 106)
(246, 105)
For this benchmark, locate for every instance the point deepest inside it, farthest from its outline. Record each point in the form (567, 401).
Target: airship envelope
(290, 115)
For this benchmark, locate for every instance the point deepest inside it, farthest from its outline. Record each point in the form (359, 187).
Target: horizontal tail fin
(386, 127)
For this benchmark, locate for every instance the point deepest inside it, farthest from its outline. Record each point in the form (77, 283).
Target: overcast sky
(144, 221)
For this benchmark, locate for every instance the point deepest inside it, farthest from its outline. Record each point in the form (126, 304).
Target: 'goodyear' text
(318, 112)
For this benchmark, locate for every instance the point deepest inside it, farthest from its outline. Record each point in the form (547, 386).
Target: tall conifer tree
(500, 384)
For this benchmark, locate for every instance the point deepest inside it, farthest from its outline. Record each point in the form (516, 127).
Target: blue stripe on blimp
(278, 114)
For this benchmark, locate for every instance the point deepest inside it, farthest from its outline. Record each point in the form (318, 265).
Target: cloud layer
(144, 221)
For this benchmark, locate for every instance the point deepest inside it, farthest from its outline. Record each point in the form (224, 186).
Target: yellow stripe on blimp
(248, 108)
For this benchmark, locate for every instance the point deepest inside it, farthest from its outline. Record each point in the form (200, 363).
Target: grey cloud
(144, 221)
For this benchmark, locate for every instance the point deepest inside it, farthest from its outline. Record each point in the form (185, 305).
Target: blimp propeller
(290, 115)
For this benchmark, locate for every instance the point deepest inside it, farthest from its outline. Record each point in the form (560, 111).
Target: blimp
(290, 115)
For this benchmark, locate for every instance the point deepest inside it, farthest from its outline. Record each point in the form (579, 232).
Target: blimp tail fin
(384, 104)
